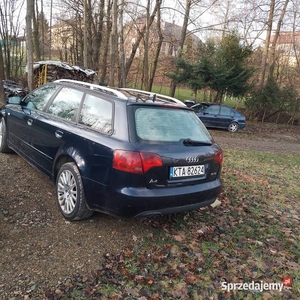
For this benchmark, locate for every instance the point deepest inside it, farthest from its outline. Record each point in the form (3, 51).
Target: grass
(252, 237)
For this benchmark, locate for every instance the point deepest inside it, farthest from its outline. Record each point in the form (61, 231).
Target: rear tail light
(219, 157)
(135, 162)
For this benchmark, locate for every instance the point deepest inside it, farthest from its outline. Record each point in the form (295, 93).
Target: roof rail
(95, 87)
(163, 97)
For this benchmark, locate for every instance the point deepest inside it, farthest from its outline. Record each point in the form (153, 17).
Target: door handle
(58, 134)
(29, 122)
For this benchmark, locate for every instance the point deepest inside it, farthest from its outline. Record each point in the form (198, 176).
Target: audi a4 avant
(124, 152)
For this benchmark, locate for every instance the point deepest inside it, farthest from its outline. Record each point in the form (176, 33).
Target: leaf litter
(248, 238)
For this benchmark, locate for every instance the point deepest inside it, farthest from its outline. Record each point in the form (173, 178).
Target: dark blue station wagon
(124, 152)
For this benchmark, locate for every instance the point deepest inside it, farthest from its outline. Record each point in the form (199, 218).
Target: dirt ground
(39, 248)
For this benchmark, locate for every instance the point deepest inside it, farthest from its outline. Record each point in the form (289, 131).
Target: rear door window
(168, 125)
(97, 113)
(213, 110)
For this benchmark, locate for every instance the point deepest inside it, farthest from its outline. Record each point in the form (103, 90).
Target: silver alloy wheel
(67, 192)
(233, 127)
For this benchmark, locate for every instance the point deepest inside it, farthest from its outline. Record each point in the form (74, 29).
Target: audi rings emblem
(192, 159)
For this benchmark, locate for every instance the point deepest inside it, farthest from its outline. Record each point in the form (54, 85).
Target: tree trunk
(138, 40)
(267, 44)
(36, 33)
(89, 35)
(113, 42)
(50, 32)
(43, 31)
(29, 43)
(2, 75)
(182, 40)
(146, 49)
(274, 42)
(2, 96)
(85, 34)
(159, 45)
(225, 25)
(122, 75)
(103, 68)
(99, 35)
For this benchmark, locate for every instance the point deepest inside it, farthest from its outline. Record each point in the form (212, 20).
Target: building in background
(288, 47)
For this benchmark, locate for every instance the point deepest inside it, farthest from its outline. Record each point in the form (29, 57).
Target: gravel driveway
(39, 248)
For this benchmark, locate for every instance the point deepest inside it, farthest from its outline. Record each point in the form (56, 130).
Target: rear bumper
(176, 209)
(143, 202)
(242, 125)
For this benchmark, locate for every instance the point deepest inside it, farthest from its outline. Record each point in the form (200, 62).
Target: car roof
(128, 94)
(211, 103)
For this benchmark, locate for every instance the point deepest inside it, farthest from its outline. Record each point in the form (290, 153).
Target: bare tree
(267, 43)
(2, 96)
(10, 26)
(122, 75)
(2, 75)
(29, 43)
(141, 29)
(99, 33)
(295, 25)
(159, 44)
(268, 59)
(188, 5)
(276, 36)
(85, 34)
(88, 34)
(113, 41)
(36, 32)
(146, 48)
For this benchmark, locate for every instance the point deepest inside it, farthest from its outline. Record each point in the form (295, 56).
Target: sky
(171, 13)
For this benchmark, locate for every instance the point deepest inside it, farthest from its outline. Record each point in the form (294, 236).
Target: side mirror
(14, 100)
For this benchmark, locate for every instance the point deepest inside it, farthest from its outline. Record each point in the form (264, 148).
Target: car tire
(3, 138)
(233, 127)
(70, 193)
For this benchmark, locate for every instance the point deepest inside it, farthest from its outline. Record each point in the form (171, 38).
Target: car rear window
(226, 111)
(157, 124)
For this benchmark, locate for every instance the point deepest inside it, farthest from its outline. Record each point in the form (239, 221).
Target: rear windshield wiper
(189, 142)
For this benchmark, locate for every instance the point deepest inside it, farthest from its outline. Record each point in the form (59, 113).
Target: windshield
(160, 124)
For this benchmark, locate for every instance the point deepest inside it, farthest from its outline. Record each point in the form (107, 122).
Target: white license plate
(185, 171)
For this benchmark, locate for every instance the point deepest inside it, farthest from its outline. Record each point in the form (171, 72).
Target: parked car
(219, 116)
(124, 152)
